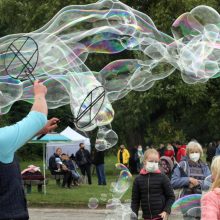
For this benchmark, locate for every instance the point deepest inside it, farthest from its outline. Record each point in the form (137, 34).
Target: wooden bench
(29, 183)
(58, 177)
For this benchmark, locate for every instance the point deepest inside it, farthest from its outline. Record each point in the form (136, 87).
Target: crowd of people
(173, 172)
(62, 164)
(160, 171)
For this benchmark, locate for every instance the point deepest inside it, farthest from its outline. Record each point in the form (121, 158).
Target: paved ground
(73, 214)
(66, 214)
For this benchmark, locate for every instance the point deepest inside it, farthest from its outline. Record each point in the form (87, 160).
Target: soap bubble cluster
(57, 52)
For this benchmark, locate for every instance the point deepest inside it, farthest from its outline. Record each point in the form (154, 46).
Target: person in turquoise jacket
(12, 199)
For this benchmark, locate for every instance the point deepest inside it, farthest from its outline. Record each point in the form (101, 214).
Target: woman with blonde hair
(210, 202)
(152, 189)
(191, 172)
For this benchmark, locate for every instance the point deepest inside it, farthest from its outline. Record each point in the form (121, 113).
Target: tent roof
(67, 135)
(54, 137)
(73, 135)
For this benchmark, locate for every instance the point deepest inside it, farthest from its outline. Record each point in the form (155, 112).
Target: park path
(73, 214)
(66, 214)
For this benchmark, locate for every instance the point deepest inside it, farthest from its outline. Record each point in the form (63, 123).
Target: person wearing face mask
(152, 190)
(210, 203)
(123, 155)
(191, 172)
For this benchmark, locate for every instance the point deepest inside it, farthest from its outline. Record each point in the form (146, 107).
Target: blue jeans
(100, 170)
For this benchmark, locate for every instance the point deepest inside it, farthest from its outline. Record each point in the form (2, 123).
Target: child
(72, 167)
(210, 203)
(166, 166)
(152, 190)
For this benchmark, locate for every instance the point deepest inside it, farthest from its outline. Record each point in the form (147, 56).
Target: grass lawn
(77, 196)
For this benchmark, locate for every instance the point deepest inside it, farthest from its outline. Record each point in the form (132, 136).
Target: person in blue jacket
(190, 173)
(13, 204)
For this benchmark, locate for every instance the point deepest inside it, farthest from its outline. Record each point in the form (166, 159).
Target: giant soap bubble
(57, 52)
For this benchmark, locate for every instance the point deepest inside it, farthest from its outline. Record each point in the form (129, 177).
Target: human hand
(193, 181)
(164, 215)
(50, 126)
(64, 167)
(39, 89)
(191, 185)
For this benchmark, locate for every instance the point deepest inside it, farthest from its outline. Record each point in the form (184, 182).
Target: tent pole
(44, 167)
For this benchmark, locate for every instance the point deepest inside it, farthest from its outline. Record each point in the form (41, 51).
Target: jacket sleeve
(169, 194)
(210, 208)
(135, 198)
(118, 156)
(52, 163)
(89, 157)
(177, 181)
(78, 158)
(15, 136)
(206, 172)
(128, 154)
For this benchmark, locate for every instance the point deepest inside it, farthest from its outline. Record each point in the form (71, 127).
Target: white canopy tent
(67, 147)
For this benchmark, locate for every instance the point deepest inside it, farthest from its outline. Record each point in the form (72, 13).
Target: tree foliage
(170, 110)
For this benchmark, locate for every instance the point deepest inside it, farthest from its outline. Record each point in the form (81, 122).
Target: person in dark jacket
(83, 159)
(99, 162)
(133, 160)
(210, 153)
(56, 167)
(152, 190)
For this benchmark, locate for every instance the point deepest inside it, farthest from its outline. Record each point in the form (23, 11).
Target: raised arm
(14, 136)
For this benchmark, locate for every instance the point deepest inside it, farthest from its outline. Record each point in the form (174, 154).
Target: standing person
(217, 152)
(12, 199)
(169, 152)
(133, 160)
(99, 162)
(123, 155)
(162, 149)
(83, 159)
(56, 166)
(210, 203)
(210, 153)
(152, 190)
(176, 145)
(140, 157)
(181, 153)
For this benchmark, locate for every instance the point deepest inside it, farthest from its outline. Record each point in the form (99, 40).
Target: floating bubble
(113, 203)
(207, 183)
(106, 138)
(122, 184)
(194, 212)
(129, 215)
(103, 197)
(57, 52)
(121, 166)
(186, 203)
(93, 203)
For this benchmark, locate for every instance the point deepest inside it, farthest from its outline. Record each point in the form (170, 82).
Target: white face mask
(151, 167)
(194, 156)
